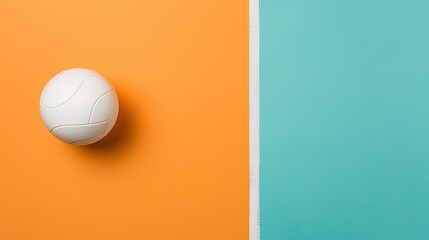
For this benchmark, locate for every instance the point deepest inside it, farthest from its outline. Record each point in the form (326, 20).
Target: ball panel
(105, 108)
(110, 124)
(60, 89)
(77, 110)
(76, 133)
(101, 81)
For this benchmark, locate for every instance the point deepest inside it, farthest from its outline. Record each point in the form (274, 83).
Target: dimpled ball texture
(79, 106)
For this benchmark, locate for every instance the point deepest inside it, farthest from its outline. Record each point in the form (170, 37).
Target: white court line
(254, 227)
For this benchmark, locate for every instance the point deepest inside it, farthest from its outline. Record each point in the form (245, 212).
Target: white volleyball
(79, 106)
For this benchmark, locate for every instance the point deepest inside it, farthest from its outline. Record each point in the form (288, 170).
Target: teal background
(344, 119)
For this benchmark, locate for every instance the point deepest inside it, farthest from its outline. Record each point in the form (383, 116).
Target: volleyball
(79, 106)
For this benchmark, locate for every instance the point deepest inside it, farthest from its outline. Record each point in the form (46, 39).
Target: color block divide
(254, 120)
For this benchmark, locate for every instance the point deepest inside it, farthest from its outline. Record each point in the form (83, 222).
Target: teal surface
(344, 120)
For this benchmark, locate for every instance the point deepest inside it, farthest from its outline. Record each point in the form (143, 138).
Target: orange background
(176, 164)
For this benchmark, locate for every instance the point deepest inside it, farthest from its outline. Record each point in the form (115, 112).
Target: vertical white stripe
(254, 230)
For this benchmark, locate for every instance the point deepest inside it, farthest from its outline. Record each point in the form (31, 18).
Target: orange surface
(176, 164)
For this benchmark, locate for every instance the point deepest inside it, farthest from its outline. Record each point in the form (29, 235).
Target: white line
(254, 227)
